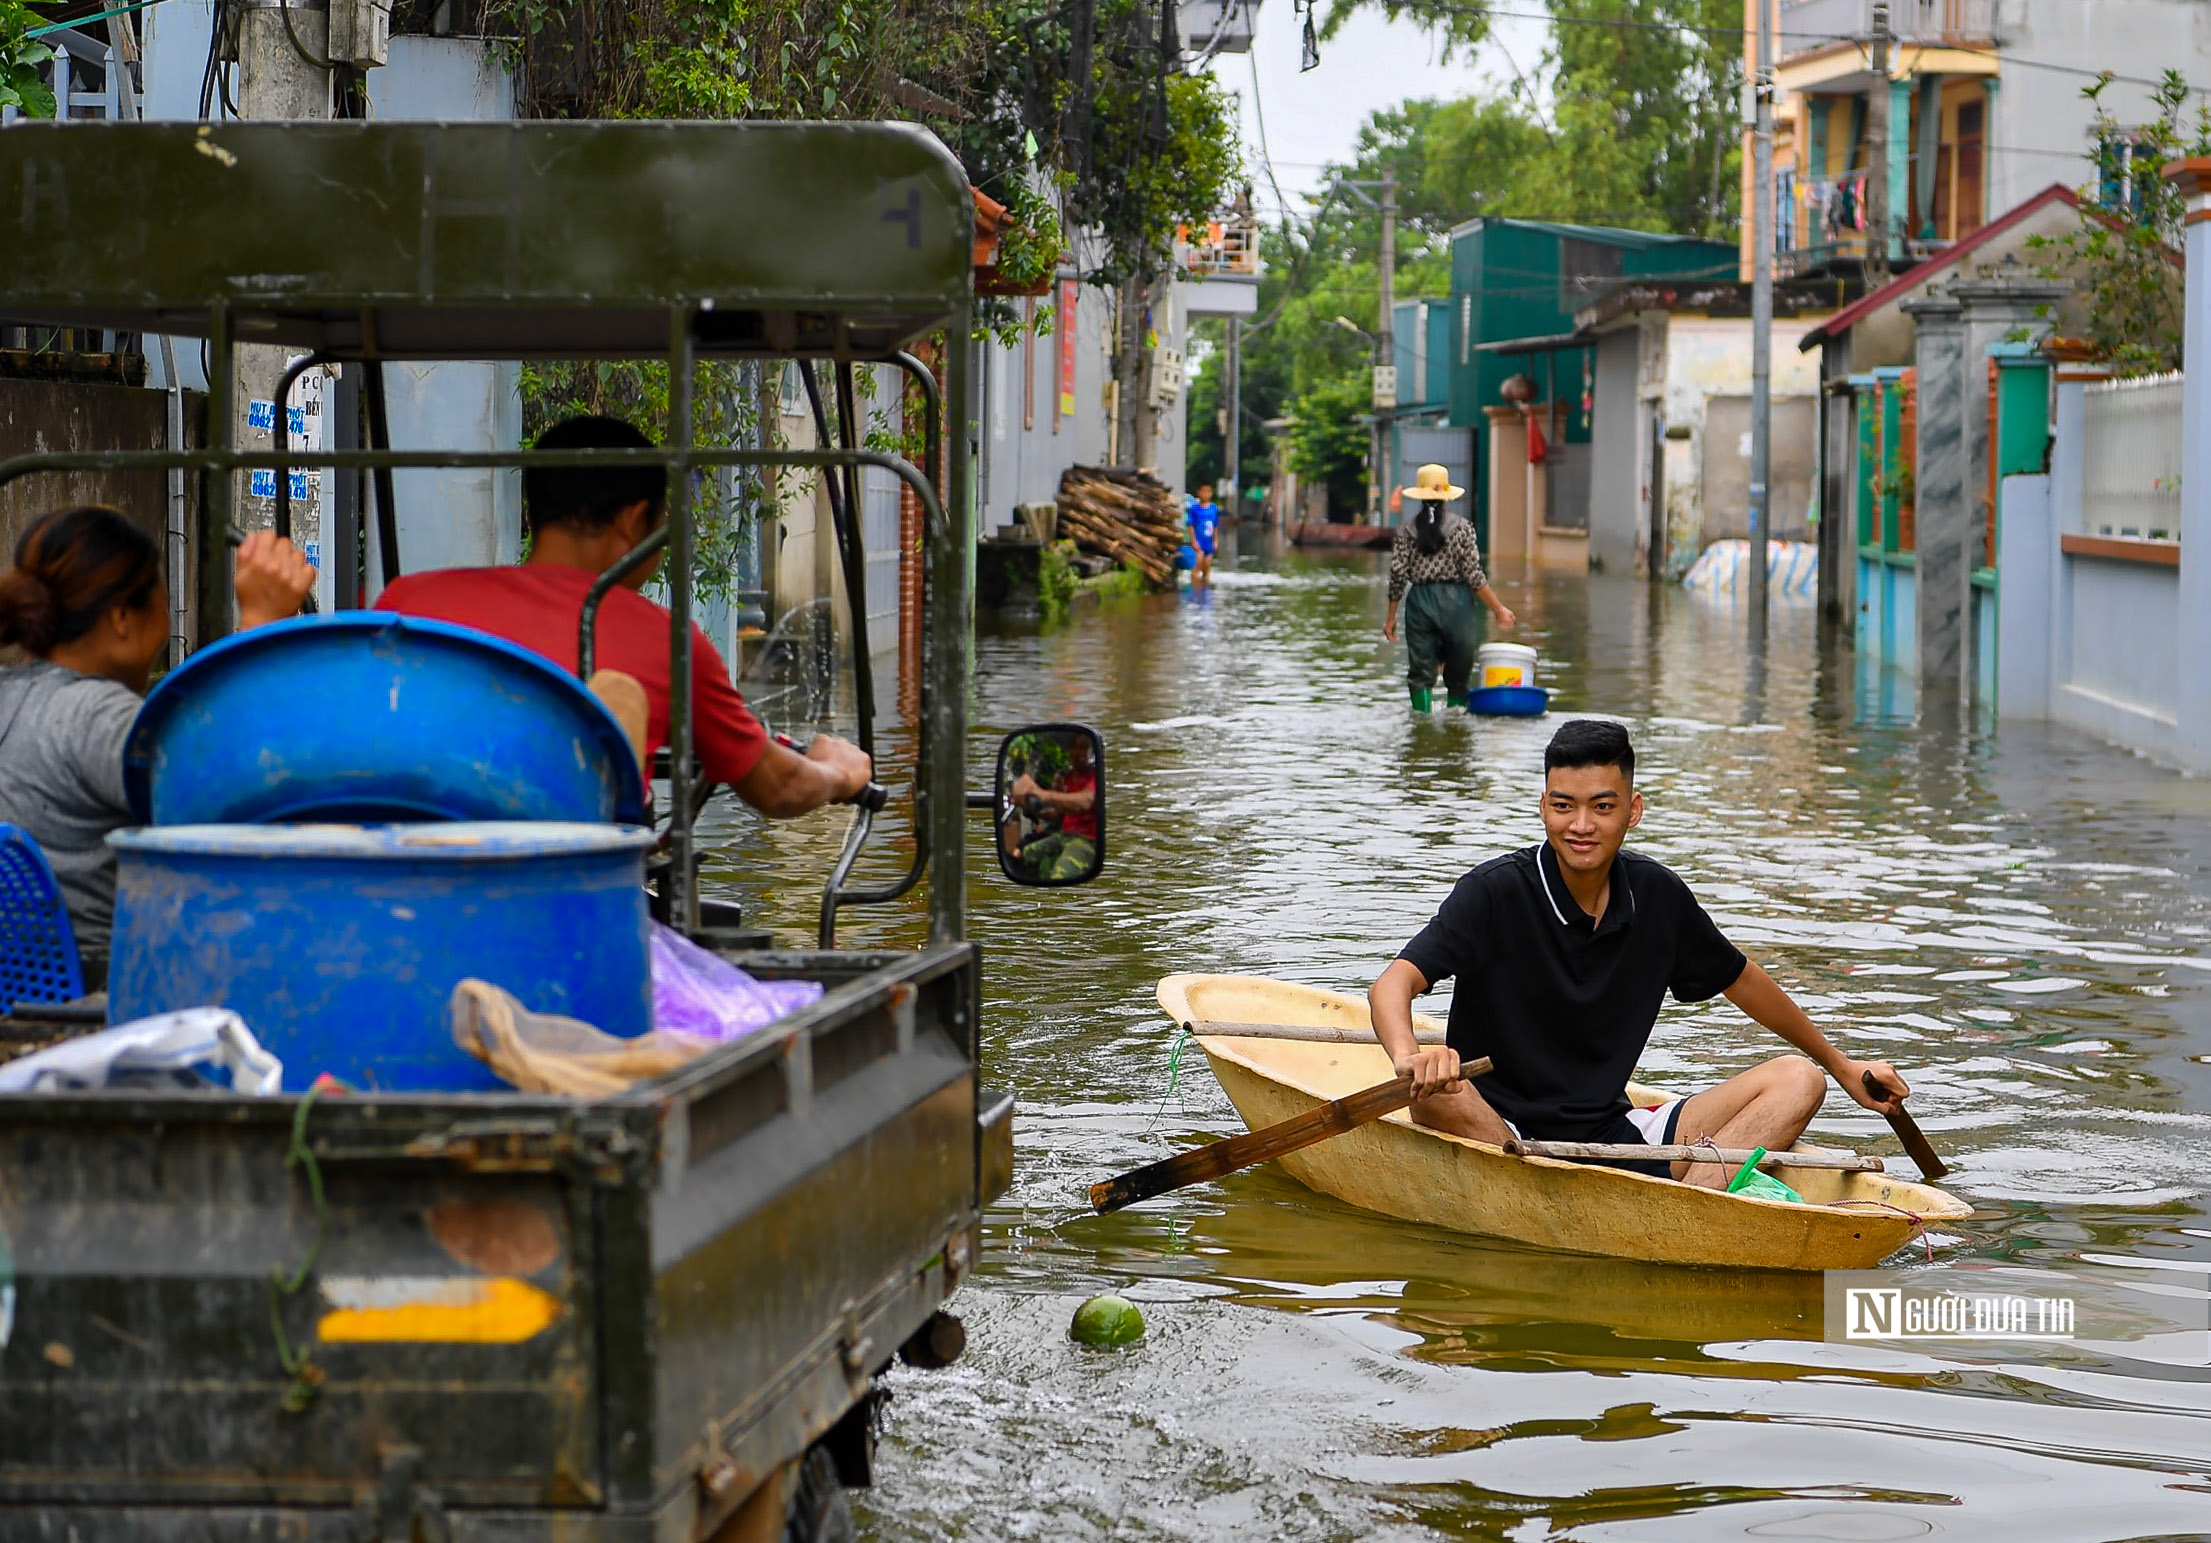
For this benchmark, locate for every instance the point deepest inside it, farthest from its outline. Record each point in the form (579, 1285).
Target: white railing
(2130, 458)
(87, 79)
(1225, 245)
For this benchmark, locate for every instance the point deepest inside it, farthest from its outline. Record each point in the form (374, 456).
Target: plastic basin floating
(340, 944)
(368, 717)
(1508, 701)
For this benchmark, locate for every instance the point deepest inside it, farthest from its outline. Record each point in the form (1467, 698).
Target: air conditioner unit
(1218, 26)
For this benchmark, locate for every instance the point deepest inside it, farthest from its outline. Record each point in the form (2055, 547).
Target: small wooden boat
(1372, 538)
(1850, 1221)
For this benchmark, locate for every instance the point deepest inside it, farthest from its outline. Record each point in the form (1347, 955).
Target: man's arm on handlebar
(784, 784)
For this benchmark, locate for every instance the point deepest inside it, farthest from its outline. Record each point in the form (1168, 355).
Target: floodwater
(2022, 922)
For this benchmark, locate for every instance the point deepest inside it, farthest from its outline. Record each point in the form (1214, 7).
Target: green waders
(1439, 632)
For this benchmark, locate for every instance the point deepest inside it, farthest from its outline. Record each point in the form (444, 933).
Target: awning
(1548, 343)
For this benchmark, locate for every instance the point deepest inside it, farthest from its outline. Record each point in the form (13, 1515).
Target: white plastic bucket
(1507, 664)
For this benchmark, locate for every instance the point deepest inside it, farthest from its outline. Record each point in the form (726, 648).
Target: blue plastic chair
(38, 953)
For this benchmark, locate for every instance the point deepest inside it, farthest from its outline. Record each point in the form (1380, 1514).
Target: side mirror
(1049, 805)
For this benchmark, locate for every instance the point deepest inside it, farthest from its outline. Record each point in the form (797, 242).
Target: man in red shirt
(1068, 853)
(581, 521)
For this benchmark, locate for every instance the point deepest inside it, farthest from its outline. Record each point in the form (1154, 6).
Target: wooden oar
(1733, 1157)
(1908, 1131)
(1314, 1033)
(1223, 1157)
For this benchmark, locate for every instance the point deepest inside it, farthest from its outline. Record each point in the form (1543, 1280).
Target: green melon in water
(1106, 1321)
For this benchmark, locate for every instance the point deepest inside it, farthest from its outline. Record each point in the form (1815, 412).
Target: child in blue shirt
(1205, 524)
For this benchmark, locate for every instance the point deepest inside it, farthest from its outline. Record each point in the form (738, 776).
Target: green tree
(2122, 256)
(1328, 444)
(22, 57)
(1636, 127)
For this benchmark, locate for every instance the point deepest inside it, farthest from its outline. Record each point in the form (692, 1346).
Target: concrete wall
(2090, 637)
(2038, 128)
(41, 415)
(451, 519)
(1616, 507)
(1724, 478)
(1707, 360)
(1027, 442)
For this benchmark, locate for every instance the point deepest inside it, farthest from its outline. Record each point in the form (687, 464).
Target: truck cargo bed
(515, 1316)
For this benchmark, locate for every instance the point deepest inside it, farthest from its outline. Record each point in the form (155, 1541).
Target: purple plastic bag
(703, 996)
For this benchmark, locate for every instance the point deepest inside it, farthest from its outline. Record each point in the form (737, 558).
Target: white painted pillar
(2193, 736)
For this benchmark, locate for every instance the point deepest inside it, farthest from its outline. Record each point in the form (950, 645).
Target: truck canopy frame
(365, 242)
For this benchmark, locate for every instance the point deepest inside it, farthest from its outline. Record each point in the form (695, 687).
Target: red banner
(1065, 323)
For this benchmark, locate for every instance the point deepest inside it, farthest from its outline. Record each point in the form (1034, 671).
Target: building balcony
(1226, 246)
(1815, 26)
(1217, 26)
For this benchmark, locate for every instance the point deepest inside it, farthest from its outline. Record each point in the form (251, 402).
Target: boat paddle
(1908, 1131)
(1224, 1157)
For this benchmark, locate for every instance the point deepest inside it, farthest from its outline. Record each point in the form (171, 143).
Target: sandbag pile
(1129, 516)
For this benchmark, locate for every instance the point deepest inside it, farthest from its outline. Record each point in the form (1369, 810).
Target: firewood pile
(1129, 516)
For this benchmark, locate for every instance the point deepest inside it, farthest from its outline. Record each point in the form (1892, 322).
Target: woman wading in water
(1436, 559)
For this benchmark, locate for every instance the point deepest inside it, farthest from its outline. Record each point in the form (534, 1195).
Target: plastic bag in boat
(701, 995)
(546, 1053)
(199, 1047)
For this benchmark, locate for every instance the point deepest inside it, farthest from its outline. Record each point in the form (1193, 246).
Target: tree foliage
(1634, 123)
(1327, 442)
(2132, 222)
(22, 57)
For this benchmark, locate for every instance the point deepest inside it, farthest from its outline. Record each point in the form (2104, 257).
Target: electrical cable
(284, 9)
(1259, 119)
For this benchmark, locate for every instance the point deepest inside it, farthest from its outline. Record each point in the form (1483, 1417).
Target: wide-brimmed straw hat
(1433, 481)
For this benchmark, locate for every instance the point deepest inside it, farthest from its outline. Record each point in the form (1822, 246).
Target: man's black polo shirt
(1562, 1003)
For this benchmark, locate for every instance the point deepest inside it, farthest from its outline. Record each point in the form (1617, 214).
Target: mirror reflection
(1051, 805)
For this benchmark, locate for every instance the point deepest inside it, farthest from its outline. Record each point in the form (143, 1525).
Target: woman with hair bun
(87, 603)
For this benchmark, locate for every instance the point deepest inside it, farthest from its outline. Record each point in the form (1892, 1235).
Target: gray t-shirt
(61, 779)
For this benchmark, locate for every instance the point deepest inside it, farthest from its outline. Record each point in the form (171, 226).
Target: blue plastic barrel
(365, 717)
(340, 944)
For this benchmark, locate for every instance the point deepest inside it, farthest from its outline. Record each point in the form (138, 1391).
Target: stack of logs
(1129, 516)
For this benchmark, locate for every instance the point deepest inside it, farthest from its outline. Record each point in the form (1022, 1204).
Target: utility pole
(1761, 323)
(1385, 467)
(1383, 339)
(1877, 153)
(283, 73)
(1232, 435)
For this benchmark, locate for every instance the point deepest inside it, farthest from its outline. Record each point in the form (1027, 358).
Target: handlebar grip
(872, 798)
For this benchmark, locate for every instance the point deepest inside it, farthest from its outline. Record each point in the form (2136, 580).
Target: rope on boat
(1174, 1074)
(1918, 1221)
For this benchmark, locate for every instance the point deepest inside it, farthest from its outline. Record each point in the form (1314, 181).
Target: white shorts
(1657, 1122)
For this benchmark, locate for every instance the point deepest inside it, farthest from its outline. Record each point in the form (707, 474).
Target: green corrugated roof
(1637, 240)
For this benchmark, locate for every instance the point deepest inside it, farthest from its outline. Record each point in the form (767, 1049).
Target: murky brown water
(2023, 922)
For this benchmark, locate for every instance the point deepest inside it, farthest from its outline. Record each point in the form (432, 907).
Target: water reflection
(2023, 922)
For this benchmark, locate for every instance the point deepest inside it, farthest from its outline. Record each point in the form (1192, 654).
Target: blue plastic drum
(366, 717)
(340, 944)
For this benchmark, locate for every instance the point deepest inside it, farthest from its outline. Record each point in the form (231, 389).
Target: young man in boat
(582, 519)
(1563, 953)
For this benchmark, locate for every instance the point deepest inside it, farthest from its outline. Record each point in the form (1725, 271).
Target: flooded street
(2021, 922)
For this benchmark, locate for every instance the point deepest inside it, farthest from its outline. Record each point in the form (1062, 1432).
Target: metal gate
(1445, 447)
(879, 521)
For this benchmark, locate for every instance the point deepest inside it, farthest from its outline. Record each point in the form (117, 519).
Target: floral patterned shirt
(1457, 561)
